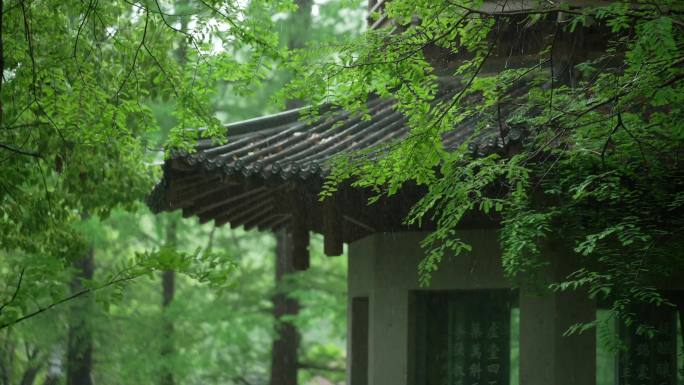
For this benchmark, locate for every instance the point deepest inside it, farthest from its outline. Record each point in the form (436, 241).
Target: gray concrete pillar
(537, 339)
(546, 356)
(389, 338)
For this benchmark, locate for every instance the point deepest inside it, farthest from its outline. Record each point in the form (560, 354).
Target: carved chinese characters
(474, 346)
(650, 361)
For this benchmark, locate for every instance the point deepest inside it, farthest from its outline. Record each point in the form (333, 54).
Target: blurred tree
(79, 358)
(76, 124)
(91, 93)
(168, 293)
(285, 351)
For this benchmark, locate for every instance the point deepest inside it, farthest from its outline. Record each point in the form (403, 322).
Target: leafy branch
(16, 290)
(71, 297)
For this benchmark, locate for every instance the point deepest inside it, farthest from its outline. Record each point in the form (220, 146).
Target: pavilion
(461, 329)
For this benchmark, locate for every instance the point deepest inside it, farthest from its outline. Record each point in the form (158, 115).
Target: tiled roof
(280, 146)
(243, 182)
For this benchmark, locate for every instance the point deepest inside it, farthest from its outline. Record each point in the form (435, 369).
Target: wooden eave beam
(299, 229)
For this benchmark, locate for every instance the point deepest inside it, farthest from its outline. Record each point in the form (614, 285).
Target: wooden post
(332, 228)
(300, 245)
(360, 319)
(284, 354)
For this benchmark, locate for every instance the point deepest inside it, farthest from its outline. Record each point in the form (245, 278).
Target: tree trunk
(30, 375)
(296, 37)
(7, 358)
(168, 292)
(284, 362)
(80, 340)
(300, 25)
(169, 276)
(284, 359)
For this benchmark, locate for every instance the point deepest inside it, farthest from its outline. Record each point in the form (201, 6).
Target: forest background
(96, 289)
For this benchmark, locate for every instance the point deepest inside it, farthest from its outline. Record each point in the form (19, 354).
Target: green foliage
(78, 127)
(90, 92)
(93, 95)
(222, 313)
(600, 165)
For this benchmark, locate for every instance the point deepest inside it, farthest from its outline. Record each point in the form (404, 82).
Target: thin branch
(8, 10)
(150, 238)
(182, 31)
(608, 139)
(34, 76)
(625, 91)
(135, 56)
(161, 68)
(159, 12)
(19, 115)
(20, 151)
(47, 191)
(467, 86)
(26, 125)
(515, 12)
(638, 142)
(78, 36)
(16, 290)
(553, 47)
(471, 80)
(555, 161)
(237, 27)
(499, 120)
(412, 52)
(69, 298)
(29, 41)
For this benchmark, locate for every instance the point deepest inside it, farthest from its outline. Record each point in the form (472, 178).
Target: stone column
(389, 311)
(546, 356)
(389, 337)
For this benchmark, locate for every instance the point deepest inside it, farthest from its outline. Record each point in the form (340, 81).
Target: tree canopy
(600, 162)
(93, 95)
(79, 133)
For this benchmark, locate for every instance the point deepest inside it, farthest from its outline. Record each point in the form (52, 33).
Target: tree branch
(515, 12)
(135, 56)
(467, 86)
(69, 298)
(16, 290)
(20, 151)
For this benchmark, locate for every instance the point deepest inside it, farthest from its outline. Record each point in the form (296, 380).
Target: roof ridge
(270, 122)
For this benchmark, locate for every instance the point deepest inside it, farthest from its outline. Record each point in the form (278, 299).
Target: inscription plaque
(463, 337)
(650, 361)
